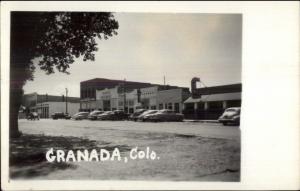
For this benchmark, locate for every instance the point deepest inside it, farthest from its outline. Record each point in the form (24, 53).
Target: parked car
(33, 116)
(60, 115)
(164, 115)
(142, 117)
(230, 116)
(80, 115)
(113, 115)
(93, 115)
(136, 114)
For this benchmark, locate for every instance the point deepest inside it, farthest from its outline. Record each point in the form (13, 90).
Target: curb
(202, 121)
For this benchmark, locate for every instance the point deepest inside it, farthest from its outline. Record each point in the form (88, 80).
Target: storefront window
(176, 107)
(153, 107)
(161, 106)
(170, 106)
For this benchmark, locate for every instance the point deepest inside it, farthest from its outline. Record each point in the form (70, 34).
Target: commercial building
(88, 90)
(210, 102)
(46, 109)
(46, 104)
(113, 88)
(155, 97)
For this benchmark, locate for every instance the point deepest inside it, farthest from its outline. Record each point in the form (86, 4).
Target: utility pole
(124, 90)
(66, 100)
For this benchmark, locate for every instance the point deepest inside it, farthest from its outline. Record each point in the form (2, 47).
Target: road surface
(185, 151)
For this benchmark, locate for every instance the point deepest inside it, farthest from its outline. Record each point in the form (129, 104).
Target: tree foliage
(56, 39)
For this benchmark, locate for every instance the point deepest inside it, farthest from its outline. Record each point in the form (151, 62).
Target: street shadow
(27, 157)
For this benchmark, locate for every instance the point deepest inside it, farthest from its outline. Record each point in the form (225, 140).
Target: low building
(46, 109)
(88, 90)
(156, 97)
(210, 102)
(46, 104)
(89, 100)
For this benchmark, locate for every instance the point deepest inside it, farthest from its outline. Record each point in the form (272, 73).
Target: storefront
(155, 97)
(210, 106)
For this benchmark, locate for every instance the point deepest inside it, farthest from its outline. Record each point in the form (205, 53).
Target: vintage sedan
(230, 116)
(80, 115)
(164, 115)
(33, 116)
(113, 115)
(94, 114)
(136, 114)
(144, 115)
(60, 115)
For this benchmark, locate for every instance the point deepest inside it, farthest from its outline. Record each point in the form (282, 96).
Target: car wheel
(224, 123)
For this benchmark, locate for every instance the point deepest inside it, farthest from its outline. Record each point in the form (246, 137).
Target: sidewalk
(201, 121)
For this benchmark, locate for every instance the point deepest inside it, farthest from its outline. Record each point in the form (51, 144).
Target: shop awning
(215, 97)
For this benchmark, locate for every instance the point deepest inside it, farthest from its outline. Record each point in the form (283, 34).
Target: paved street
(189, 151)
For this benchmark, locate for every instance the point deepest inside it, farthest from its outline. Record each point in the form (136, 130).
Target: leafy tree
(55, 39)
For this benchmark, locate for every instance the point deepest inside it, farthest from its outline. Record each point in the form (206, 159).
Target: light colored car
(144, 114)
(94, 114)
(80, 115)
(231, 116)
(164, 115)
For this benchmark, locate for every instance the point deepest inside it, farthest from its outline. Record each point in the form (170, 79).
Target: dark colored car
(33, 116)
(113, 115)
(80, 116)
(164, 115)
(60, 115)
(231, 116)
(94, 114)
(136, 114)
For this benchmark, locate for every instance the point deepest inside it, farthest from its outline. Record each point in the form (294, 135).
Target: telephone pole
(124, 90)
(66, 100)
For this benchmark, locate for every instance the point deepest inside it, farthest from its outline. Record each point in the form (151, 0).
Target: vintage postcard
(112, 95)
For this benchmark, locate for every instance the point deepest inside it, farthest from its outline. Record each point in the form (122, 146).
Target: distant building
(210, 102)
(46, 109)
(88, 90)
(46, 104)
(155, 97)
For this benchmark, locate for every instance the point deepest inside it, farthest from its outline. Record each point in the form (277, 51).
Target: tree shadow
(27, 157)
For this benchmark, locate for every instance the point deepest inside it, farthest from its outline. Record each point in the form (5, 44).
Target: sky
(151, 46)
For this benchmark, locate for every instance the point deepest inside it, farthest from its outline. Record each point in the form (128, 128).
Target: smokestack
(194, 86)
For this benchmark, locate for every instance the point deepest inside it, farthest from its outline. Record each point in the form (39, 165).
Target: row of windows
(89, 93)
(128, 102)
(215, 104)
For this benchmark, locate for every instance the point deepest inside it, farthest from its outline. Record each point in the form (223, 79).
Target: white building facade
(154, 97)
(46, 109)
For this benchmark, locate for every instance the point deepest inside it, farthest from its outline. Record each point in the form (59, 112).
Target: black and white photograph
(127, 96)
